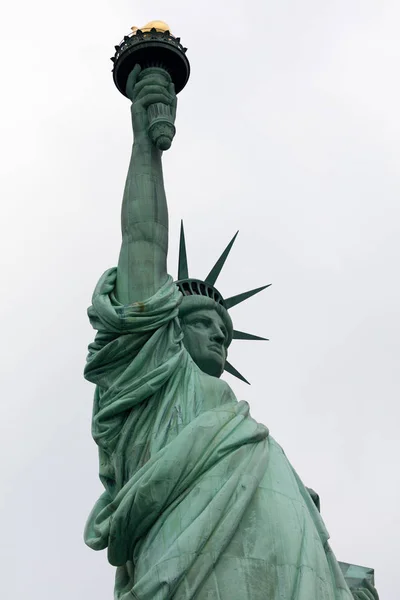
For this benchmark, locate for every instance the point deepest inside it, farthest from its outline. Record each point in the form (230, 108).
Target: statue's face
(205, 338)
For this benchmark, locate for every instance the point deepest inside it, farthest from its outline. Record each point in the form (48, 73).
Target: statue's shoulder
(217, 390)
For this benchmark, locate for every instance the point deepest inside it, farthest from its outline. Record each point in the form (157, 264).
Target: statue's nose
(218, 336)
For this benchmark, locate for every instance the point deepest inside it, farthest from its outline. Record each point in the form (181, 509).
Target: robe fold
(200, 502)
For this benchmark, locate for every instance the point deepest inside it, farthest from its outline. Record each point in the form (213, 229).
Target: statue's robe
(199, 502)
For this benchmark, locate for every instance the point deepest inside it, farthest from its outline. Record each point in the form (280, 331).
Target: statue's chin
(212, 366)
(210, 361)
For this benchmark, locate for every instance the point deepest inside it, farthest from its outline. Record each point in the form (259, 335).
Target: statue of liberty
(199, 500)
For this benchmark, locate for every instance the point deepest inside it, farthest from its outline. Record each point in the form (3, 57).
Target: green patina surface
(199, 501)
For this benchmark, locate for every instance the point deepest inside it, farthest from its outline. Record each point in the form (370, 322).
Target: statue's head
(206, 325)
(207, 333)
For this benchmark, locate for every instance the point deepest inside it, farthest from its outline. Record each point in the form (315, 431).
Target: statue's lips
(216, 348)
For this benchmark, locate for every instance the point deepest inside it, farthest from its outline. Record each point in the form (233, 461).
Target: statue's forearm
(142, 266)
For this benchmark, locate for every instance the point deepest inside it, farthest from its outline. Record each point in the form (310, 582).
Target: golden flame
(159, 26)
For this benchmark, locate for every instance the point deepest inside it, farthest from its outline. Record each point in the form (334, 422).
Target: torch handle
(161, 121)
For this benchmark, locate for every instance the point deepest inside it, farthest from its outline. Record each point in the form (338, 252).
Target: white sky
(289, 130)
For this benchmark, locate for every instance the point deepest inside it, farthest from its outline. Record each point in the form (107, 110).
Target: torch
(156, 50)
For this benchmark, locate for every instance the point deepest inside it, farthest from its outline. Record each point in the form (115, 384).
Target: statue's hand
(151, 89)
(366, 592)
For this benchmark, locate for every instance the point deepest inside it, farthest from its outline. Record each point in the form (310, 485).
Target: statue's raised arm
(142, 266)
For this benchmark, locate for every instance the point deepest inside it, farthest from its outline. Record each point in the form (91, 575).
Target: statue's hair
(191, 304)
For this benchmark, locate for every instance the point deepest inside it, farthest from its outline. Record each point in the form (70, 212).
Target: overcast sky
(289, 130)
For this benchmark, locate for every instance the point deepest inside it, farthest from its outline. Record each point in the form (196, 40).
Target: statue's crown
(197, 287)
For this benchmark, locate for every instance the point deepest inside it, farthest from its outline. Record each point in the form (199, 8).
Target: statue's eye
(201, 323)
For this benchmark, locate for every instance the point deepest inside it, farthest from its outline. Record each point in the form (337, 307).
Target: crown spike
(230, 369)
(217, 268)
(241, 297)
(183, 272)
(241, 335)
